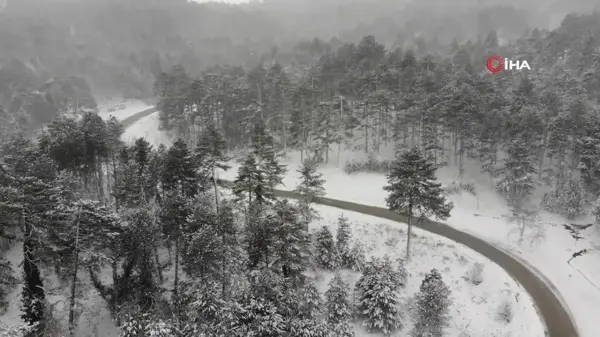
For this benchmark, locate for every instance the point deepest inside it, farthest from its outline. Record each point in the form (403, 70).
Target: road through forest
(555, 314)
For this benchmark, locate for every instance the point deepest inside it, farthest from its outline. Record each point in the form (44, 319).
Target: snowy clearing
(547, 248)
(475, 307)
(121, 109)
(483, 216)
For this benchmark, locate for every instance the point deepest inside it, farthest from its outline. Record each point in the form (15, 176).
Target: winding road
(554, 312)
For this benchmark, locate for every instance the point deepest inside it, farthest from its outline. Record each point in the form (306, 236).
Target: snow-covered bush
(325, 252)
(16, 331)
(144, 325)
(596, 213)
(337, 302)
(569, 200)
(400, 273)
(459, 187)
(307, 328)
(432, 306)
(356, 259)
(475, 274)
(505, 312)
(371, 164)
(378, 297)
(310, 300)
(343, 236)
(7, 282)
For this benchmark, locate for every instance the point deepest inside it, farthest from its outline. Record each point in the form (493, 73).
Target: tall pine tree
(414, 190)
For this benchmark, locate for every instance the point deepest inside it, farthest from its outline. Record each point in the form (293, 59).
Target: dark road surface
(555, 315)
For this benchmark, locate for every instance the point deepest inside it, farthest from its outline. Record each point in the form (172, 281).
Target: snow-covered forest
(130, 232)
(144, 238)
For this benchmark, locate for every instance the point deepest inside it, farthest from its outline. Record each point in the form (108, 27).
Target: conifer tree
(249, 182)
(310, 301)
(260, 173)
(343, 236)
(290, 241)
(433, 302)
(518, 173)
(414, 190)
(325, 252)
(337, 301)
(378, 297)
(310, 188)
(211, 155)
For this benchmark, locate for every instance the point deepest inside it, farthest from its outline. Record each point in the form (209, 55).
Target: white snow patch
(474, 307)
(121, 109)
(546, 248)
(577, 283)
(147, 128)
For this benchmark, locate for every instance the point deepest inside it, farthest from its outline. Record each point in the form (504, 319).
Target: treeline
(170, 254)
(119, 47)
(525, 128)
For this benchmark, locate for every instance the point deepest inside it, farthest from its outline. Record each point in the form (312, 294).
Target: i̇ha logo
(496, 63)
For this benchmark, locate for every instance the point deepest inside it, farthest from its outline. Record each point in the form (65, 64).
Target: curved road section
(555, 315)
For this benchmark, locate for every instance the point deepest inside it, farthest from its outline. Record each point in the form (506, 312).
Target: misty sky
(228, 1)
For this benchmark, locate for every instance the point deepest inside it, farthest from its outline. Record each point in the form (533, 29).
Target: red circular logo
(490, 63)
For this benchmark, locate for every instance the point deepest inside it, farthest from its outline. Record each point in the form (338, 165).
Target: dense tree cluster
(172, 256)
(167, 252)
(526, 129)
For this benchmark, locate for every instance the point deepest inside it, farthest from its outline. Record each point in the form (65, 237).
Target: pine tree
(310, 301)
(518, 173)
(266, 158)
(249, 182)
(179, 172)
(325, 253)
(310, 188)
(202, 248)
(433, 302)
(260, 173)
(343, 236)
(290, 244)
(7, 281)
(574, 199)
(211, 155)
(357, 258)
(337, 301)
(414, 190)
(378, 297)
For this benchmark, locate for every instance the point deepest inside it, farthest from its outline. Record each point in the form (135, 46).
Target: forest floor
(546, 247)
(475, 309)
(368, 190)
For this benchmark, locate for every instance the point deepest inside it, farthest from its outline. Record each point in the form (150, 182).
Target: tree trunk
(158, 266)
(408, 234)
(74, 285)
(366, 129)
(176, 281)
(214, 179)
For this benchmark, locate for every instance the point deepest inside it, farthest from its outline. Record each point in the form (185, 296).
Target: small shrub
(505, 312)
(475, 274)
(378, 297)
(356, 259)
(459, 187)
(371, 164)
(325, 250)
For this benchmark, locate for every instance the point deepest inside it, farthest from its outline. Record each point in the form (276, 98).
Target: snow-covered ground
(120, 108)
(547, 248)
(475, 307)
(147, 127)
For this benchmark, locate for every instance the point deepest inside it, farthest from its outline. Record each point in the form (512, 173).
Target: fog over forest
(299, 168)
